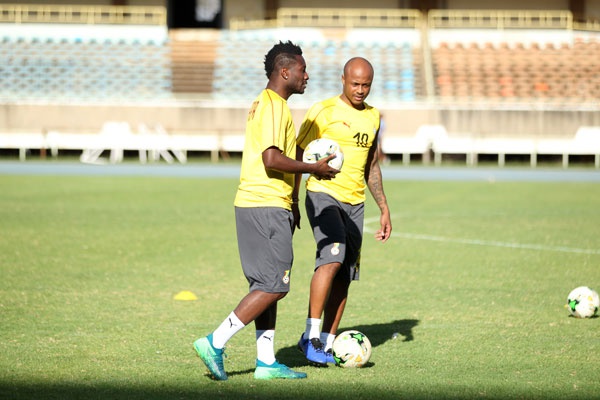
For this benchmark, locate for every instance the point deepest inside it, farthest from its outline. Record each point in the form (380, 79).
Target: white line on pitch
(418, 236)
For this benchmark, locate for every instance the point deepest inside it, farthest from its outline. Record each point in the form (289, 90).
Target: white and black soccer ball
(351, 349)
(321, 148)
(583, 302)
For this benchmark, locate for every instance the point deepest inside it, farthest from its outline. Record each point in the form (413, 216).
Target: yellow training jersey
(269, 124)
(355, 131)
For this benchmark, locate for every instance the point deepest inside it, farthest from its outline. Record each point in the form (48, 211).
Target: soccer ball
(321, 148)
(351, 349)
(583, 302)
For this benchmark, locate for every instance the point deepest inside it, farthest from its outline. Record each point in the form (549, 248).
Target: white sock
(229, 327)
(265, 346)
(313, 328)
(327, 339)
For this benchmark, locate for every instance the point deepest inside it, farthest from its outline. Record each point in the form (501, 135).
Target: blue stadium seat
(52, 67)
(325, 58)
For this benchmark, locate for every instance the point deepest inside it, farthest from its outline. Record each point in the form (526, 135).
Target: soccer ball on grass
(321, 148)
(583, 302)
(351, 349)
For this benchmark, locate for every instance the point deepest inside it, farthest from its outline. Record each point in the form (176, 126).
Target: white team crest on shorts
(286, 277)
(335, 250)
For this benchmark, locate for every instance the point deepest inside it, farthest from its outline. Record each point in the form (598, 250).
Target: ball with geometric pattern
(351, 349)
(321, 148)
(583, 302)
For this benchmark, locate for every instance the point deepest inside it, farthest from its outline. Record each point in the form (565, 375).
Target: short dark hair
(281, 56)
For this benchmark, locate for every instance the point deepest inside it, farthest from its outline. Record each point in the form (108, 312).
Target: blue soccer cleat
(303, 347)
(302, 344)
(315, 352)
(212, 357)
(329, 357)
(276, 371)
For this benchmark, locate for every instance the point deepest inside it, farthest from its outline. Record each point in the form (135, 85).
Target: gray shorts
(264, 237)
(338, 231)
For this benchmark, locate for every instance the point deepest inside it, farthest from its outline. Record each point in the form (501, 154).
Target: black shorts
(264, 237)
(338, 231)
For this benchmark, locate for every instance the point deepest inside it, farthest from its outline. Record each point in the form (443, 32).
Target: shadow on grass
(225, 390)
(212, 390)
(207, 389)
(378, 334)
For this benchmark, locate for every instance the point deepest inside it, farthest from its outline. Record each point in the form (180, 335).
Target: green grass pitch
(474, 281)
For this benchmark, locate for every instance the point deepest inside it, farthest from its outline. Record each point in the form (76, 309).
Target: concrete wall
(202, 119)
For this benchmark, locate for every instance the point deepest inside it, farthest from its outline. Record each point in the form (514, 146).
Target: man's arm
(375, 185)
(296, 191)
(274, 159)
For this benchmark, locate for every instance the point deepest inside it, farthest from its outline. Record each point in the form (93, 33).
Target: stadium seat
(84, 69)
(538, 71)
(391, 58)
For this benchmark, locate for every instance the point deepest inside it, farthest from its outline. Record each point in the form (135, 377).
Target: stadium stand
(193, 61)
(516, 71)
(469, 84)
(392, 53)
(61, 64)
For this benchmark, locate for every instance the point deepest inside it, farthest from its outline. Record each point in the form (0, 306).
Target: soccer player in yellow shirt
(263, 213)
(335, 208)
